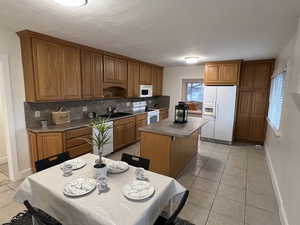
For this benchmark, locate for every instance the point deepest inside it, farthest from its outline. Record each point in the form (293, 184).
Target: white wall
(3, 155)
(283, 152)
(173, 77)
(10, 45)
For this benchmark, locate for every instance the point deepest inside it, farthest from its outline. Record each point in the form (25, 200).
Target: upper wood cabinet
(115, 70)
(145, 74)
(133, 79)
(222, 73)
(92, 75)
(157, 80)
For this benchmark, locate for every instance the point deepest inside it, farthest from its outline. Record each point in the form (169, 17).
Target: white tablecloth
(45, 191)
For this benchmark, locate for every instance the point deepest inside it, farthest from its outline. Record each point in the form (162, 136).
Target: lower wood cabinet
(124, 132)
(44, 145)
(141, 121)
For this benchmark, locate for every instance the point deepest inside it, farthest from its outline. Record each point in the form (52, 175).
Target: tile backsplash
(76, 108)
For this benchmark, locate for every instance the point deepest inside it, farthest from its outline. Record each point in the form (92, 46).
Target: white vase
(100, 171)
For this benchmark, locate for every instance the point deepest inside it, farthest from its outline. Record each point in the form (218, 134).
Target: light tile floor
(229, 185)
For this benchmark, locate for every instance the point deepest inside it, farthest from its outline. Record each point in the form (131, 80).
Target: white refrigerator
(219, 105)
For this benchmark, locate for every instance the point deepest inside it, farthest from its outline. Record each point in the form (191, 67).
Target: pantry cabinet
(92, 75)
(253, 100)
(222, 73)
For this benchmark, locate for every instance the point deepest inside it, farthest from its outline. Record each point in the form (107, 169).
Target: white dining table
(45, 191)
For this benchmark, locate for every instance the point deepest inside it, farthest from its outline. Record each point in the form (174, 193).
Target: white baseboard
(3, 160)
(24, 173)
(282, 212)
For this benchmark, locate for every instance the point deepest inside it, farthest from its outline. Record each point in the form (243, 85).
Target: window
(192, 90)
(276, 101)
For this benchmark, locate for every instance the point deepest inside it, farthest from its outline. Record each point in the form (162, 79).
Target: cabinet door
(247, 75)
(229, 73)
(257, 128)
(109, 69)
(133, 79)
(120, 71)
(157, 81)
(71, 80)
(98, 76)
(160, 82)
(49, 144)
(212, 72)
(140, 123)
(145, 74)
(244, 114)
(130, 133)
(87, 75)
(261, 76)
(119, 136)
(48, 70)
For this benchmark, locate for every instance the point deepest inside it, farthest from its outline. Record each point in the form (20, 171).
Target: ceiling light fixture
(72, 3)
(191, 60)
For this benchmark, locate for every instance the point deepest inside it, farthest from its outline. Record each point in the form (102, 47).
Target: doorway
(8, 155)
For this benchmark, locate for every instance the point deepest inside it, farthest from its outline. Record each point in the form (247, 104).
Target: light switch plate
(37, 114)
(84, 108)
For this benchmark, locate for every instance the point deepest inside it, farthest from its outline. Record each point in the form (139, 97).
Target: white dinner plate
(116, 166)
(76, 163)
(138, 190)
(79, 187)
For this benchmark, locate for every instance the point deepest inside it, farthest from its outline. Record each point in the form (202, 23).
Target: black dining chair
(173, 219)
(51, 161)
(40, 217)
(136, 161)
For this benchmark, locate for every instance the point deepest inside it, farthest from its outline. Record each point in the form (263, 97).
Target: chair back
(183, 200)
(136, 161)
(40, 217)
(51, 161)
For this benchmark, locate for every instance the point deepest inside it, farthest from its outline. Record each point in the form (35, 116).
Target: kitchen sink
(115, 115)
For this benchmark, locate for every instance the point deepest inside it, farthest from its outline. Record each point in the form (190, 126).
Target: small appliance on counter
(146, 90)
(139, 106)
(61, 116)
(181, 112)
(153, 116)
(92, 115)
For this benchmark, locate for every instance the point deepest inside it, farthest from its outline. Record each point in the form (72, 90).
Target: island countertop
(169, 128)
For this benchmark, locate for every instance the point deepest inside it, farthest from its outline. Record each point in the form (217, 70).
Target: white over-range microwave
(146, 90)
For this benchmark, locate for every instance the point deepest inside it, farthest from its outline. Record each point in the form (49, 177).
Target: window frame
(277, 131)
(184, 87)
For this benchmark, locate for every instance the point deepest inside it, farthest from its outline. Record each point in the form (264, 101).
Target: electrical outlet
(37, 114)
(84, 108)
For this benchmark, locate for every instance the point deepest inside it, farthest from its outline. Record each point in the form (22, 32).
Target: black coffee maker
(181, 112)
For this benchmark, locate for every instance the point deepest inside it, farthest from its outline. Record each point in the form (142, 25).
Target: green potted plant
(99, 138)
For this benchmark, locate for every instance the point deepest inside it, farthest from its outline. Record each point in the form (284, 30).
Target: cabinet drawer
(76, 141)
(124, 121)
(141, 116)
(78, 132)
(79, 150)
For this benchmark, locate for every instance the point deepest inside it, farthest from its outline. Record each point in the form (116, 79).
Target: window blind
(276, 100)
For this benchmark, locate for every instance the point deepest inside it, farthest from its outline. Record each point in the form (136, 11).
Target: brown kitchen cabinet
(51, 71)
(145, 74)
(141, 121)
(92, 75)
(46, 144)
(253, 100)
(222, 73)
(115, 70)
(133, 79)
(157, 80)
(124, 132)
(163, 114)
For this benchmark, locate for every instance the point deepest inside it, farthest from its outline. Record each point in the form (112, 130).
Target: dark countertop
(76, 124)
(169, 128)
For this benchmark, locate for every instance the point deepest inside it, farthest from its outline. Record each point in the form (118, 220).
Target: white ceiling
(164, 31)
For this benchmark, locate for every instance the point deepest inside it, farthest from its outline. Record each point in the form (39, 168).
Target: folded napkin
(117, 165)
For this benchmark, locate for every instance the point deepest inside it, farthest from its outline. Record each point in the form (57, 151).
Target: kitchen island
(170, 146)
